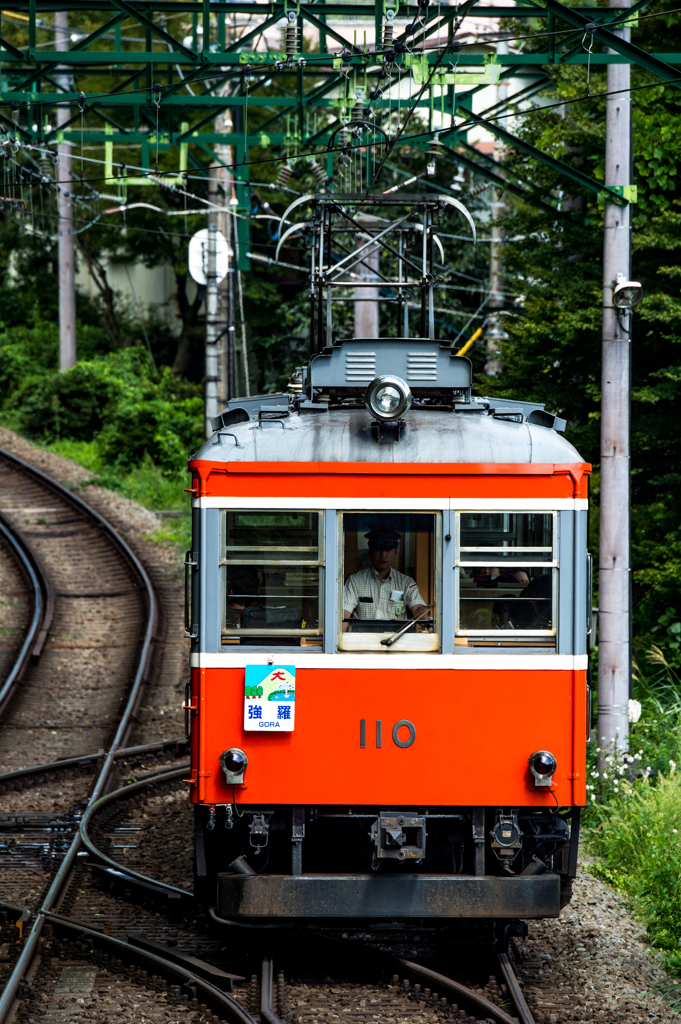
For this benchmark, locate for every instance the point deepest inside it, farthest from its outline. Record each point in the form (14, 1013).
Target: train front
(389, 616)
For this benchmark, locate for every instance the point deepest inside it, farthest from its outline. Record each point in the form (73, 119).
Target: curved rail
(142, 580)
(457, 989)
(43, 610)
(119, 794)
(219, 1001)
(84, 759)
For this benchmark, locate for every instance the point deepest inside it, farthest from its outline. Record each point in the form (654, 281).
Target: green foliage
(552, 353)
(637, 839)
(118, 402)
(633, 821)
(70, 405)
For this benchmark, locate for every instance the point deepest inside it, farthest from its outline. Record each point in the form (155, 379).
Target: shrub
(70, 405)
(155, 428)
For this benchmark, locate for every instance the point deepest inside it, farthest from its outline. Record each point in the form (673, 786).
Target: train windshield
(388, 582)
(507, 573)
(271, 564)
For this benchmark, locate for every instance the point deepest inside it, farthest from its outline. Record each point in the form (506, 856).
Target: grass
(633, 823)
(638, 845)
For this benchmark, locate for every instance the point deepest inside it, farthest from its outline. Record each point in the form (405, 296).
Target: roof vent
(421, 366)
(429, 367)
(360, 367)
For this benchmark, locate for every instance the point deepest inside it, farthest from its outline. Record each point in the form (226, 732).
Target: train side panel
(469, 734)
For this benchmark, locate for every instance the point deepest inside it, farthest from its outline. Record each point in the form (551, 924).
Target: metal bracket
(387, 432)
(259, 828)
(399, 837)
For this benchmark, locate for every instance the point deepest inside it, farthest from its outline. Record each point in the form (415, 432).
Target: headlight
(234, 763)
(388, 398)
(542, 765)
(627, 294)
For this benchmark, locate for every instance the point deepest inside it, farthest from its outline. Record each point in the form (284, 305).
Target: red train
(389, 615)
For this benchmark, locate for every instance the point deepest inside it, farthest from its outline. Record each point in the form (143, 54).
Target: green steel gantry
(161, 89)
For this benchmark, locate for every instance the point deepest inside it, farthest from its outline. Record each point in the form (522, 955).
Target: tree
(553, 349)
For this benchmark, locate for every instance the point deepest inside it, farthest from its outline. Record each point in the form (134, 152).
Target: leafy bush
(71, 405)
(118, 402)
(166, 432)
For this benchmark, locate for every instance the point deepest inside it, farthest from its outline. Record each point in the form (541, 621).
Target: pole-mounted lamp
(626, 294)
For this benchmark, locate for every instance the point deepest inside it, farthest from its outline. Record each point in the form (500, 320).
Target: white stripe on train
(314, 502)
(463, 660)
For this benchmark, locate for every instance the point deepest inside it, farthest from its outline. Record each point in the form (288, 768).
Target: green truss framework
(147, 81)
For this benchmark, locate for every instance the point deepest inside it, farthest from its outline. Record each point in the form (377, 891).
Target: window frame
(438, 515)
(553, 565)
(236, 633)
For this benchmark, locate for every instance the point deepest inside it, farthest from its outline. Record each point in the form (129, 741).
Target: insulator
(284, 175)
(318, 171)
(46, 166)
(358, 111)
(290, 38)
(388, 36)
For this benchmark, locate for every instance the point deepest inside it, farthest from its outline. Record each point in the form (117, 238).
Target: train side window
(507, 576)
(389, 582)
(271, 578)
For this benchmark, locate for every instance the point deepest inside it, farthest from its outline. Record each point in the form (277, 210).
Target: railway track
(82, 615)
(179, 931)
(102, 601)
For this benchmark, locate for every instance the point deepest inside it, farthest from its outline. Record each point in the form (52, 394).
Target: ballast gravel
(592, 964)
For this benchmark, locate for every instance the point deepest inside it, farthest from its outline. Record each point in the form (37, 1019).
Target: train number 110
(398, 740)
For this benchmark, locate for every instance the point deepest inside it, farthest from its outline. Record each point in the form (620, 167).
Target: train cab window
(388, 582)
(507, 568)
(271, 570)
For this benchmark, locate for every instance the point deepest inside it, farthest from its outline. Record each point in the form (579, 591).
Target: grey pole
(614, 644)
(366, 299)
(211, 376)
(67, 258)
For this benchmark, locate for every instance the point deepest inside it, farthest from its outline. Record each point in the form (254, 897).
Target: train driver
(380, 591)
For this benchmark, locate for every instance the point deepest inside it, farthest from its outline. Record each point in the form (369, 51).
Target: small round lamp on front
(542, 765)
(234, 763)
(388, 397)
(627, 294)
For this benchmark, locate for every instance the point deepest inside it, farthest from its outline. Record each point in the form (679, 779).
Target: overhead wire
(400, 135)
(476, 120)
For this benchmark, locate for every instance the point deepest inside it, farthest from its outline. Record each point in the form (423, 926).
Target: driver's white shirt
(368, 584)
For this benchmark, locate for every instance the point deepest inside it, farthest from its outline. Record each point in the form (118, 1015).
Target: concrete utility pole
(211, 375)
(223, 308)
(67, 257)
(495, 333)
(614, 617)
(366, 297)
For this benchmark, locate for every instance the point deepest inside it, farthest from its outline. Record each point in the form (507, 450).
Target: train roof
(281, 428)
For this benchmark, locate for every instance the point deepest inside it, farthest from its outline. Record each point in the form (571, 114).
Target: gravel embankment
(592, 964)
